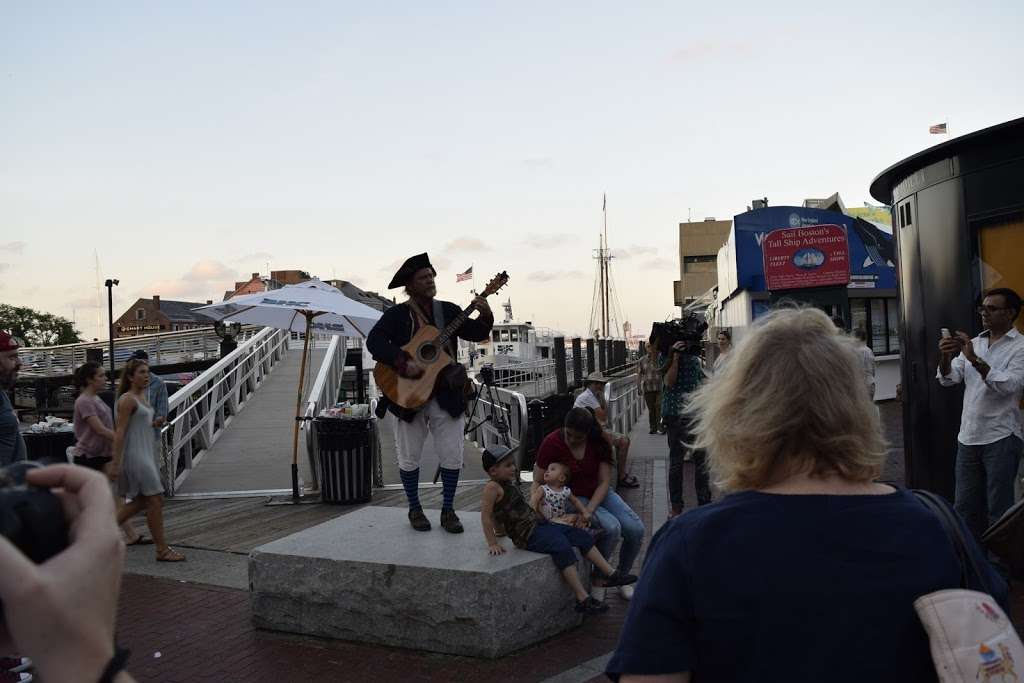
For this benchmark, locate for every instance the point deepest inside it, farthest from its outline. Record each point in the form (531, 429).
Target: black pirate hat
(409, 268)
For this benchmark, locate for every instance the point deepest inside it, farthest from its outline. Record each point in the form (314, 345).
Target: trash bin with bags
(345, 454)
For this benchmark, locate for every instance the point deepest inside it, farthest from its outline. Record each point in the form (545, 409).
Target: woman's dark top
(514, 514)
(768, 587)
(585, 474)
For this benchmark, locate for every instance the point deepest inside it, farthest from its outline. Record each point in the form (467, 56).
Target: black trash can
(345, 451)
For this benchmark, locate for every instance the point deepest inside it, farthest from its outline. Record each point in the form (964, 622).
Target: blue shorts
(558, 541)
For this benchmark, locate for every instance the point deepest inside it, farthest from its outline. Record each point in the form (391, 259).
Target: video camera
(689, 329)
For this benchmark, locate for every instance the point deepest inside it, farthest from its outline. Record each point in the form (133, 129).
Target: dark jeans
(653, 400)
(985, 478)
(558, 541)
(678, 434)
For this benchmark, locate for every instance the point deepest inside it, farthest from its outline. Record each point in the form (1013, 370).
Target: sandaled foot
(419, 520)
(169, 555)
(630, 482)
(450, 522)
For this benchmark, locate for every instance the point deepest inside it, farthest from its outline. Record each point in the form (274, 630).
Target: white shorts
(448, 437)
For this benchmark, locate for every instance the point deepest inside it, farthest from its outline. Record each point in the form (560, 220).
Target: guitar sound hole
(428, 353)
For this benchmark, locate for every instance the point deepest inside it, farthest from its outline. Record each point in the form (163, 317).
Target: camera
(486, 374)
(689, 330)
(32, 518)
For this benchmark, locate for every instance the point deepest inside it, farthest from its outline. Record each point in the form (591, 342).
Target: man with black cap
(444, 415)
(12, 444)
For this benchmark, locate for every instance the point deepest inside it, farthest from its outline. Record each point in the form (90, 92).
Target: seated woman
(580, 446)
(808, 569)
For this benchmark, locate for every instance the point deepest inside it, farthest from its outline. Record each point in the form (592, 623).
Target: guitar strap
(420, 319)
(440, 322)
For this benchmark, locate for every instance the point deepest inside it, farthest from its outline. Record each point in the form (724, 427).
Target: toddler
(503, 504)
(553, 498)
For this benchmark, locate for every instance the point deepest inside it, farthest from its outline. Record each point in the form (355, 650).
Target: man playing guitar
(444, 415)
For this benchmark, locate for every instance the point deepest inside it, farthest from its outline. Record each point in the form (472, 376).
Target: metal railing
(535, 378)
(499, 413)
(625, 404)
(200, 412)
(165, 348)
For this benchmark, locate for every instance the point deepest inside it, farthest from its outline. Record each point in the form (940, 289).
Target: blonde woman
(133, 466)
(807, 570)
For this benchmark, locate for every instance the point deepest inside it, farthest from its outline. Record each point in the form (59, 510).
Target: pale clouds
(634, 250)
(550, 275)
(469, 244)
(660, 264)
(703, 50)
(4, 267)
(207, 279)
(13, 247)
(538, 163)
(440, 263)
(254, 256)
(546, 241)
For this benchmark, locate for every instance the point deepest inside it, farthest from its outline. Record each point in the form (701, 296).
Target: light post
(110, 284)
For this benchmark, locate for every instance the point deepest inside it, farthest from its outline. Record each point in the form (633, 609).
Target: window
(879, 318)
(495, 335)
(140, 313)
(504, 335)
(513, 335)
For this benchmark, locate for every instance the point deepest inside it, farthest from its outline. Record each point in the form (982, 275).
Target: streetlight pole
(110, 284)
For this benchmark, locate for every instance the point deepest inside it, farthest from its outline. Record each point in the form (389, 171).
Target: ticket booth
(958, 222)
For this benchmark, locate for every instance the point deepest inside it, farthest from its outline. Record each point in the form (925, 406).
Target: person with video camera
(683, 374)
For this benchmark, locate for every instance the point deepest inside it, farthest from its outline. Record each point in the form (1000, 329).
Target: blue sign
(872, 254)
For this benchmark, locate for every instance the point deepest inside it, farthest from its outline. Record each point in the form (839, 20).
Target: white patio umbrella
(307, 307)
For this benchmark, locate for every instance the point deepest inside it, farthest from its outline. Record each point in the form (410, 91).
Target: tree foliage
(37, 328)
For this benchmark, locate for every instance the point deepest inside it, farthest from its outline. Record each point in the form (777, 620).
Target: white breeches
(447, 432)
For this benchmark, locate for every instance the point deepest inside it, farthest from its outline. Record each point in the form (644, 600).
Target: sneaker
(626, 592)
(419, 520)
(450, 522)
(591, 606)
(617, 578)
(597, 592)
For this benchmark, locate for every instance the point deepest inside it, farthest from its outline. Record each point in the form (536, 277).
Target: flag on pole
(938, 129)
(464, 276)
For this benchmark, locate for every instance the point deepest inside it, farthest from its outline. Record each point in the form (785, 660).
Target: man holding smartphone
(991, 438)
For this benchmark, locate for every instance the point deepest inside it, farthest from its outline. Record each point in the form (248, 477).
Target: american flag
(937, 129)
(464, 276)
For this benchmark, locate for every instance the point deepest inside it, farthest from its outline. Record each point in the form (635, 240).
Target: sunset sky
(185, 145)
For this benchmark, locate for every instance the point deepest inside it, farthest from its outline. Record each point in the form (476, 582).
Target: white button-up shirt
(991, 405)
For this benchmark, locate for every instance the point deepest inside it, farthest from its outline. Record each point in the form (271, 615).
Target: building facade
(699, 242)
(152, 316)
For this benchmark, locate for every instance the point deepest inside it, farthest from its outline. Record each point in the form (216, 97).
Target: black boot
(419, 520)
(450, 522)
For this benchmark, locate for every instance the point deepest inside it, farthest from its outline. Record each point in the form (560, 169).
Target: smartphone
(945, 333)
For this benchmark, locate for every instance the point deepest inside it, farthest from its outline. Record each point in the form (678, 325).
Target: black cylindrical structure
(561, 380)
(602, 354)
(958, 220)
(591, 357)
(577, 362)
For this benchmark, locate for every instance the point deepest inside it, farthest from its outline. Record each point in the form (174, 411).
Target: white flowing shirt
(991, 405)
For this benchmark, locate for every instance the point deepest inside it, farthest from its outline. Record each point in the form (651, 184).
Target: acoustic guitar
(427, 349)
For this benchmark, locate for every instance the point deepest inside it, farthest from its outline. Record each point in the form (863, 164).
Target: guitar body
(413, 394)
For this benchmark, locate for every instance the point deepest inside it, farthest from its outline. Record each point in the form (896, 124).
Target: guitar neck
(454, 325)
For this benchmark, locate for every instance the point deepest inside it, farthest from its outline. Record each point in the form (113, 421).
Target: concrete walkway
(254, 453)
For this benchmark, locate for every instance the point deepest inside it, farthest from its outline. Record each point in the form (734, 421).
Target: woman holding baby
(580, 447)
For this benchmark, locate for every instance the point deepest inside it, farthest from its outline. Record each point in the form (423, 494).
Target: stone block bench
(368, 576)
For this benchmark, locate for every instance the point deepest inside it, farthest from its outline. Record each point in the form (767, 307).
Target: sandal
(630, 482)
(170, 555)
(141, 540)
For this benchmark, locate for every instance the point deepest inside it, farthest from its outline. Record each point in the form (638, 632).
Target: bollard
(619, 353)
(560, 378)
(602, 354)
(591, 357)
(577, 363)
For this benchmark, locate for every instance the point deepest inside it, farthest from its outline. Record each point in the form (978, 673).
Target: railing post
(591, 357)
(602, 358)
(577, 363)
(620, 352)
(561, 381)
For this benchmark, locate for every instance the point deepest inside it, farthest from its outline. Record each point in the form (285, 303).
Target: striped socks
(411, 484)
(449, 480)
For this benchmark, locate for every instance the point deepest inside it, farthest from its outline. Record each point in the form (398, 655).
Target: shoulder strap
(951, 524)
(440, 322)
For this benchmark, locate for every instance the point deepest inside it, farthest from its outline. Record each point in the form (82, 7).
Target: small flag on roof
(464, 276)
(938, 129)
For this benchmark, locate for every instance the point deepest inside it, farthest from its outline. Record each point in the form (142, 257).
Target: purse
(1005, 538)
(969, 635)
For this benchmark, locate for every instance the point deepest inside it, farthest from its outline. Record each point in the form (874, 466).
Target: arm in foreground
(62, 613)
(492, 493)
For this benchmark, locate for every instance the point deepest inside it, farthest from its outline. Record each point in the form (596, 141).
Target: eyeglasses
(991, 309)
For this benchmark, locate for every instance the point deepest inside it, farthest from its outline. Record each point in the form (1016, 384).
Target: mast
(604, 261)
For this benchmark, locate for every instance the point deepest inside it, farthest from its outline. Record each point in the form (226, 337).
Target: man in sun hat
(592, 397)
(12, 444)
